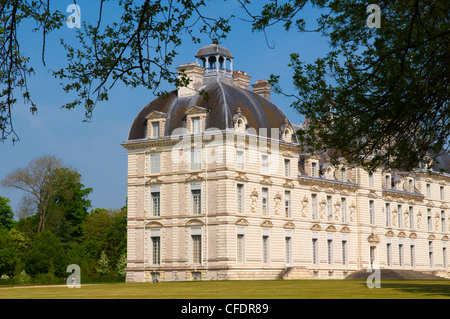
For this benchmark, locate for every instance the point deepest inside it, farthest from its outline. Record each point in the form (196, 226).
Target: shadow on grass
(426, 289)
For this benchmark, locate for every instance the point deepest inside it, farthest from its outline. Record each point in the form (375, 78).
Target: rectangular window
(240, 198)
(371, 185)
(287, 243)
(443, 223)
(196, 125)
(444, 257)
(400, 215)
(196, 198)
(155, 163)
(330, 251)
(428, 186)
(239, 160)
(343, 174)
(314, 214)
(287, 168)
(372, 212)
(265, 202)
(411, 185)
(388, 215)
(411, 217)
(329, 208)
(388, 254)
(372, 256)
(429, 221)
(155, 130)
(344, 253)
(287, 204)
(315, 251)
(412, 252)
(387, 181)
(156, 250)
(264, 164)
(441, 192)
(265, 250)
(196, 159)
(343, 210)
(156, 203)
(196, 249)
(240, 248)
(400, 255)
(430, 253)
(313, 169)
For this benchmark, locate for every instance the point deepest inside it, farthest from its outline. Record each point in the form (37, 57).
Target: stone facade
(238, 203)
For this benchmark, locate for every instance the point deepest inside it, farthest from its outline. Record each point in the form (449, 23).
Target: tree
(69, 206)
(51, 191)
(380, 97)
(138, 49)
(46, 253)
(6, 214)
(35, 181)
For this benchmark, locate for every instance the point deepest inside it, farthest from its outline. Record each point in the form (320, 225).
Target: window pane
(196, 159)
(287, 203)
(156, 204)
(156, 251)
(240, 198)
(239, 160)
(196, 249)
(265, 205)
(196, 202)
(155, 129)
(196, 125)
(155, 163)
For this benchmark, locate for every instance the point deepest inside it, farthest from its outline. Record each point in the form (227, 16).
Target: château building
(219, 188)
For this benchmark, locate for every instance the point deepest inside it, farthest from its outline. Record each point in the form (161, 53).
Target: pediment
(289, 225)
(156, 115)
(242, 222)
(194, 222)
(154, 224)
(196, 110)
(267, 223)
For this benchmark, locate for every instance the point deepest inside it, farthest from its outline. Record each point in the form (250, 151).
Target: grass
(276, 289)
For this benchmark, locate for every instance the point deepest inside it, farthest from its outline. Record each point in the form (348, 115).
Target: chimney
(241, 79)
(195, 74)
(262, 87)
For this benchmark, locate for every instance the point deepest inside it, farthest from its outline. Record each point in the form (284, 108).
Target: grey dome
(214, 49)
(222, 103)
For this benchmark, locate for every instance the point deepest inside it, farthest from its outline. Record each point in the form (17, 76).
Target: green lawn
(279, 289)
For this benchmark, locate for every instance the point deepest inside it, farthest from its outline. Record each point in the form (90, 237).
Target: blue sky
(94, 148)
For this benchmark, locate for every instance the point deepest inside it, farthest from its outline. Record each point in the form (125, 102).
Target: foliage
(138, 49)
(52, 192)
(95, 240)
(69, 206)
(46, 253)
(380, 96)
(6, 213)
(103, 265)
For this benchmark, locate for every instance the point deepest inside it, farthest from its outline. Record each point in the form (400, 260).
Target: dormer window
(343, 174)
(155, 124)
(387, 181)
(196, 125)
(240, 121)
(195, 119)
(155, 130)
(286, 132)
(314, 169)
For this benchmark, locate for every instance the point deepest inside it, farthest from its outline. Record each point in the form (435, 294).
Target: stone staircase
(396, 274)
(295, 273)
